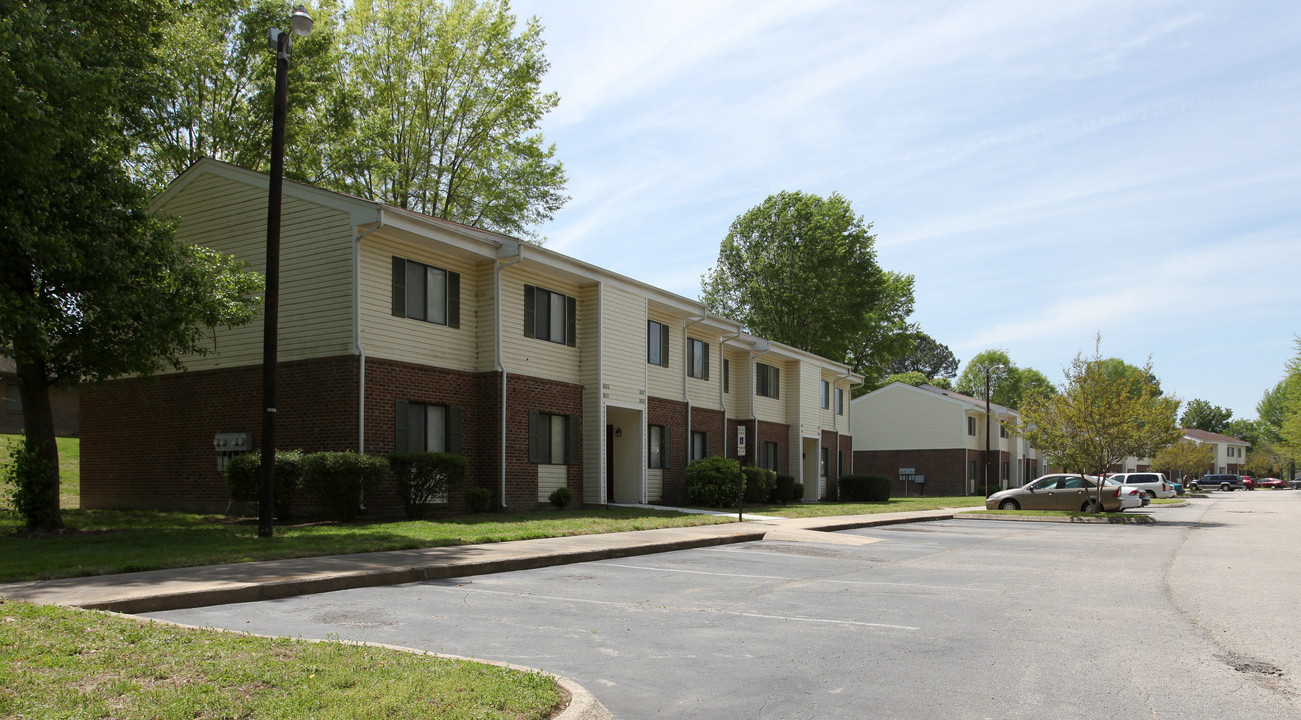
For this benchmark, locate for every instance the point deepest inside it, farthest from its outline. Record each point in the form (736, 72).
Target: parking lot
(954, 619)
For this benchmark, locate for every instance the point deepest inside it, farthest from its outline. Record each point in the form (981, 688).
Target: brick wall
(523, 394)
(751, 452)
(146, 443)
(706, 421)
(779, 433)
(944, 469)
(672, 414)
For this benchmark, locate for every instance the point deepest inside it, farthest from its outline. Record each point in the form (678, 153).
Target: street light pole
(996, 367)
(280, 42)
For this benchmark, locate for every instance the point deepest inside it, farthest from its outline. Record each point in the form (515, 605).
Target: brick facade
(147, 443)
(751, 454)
(945, 470)
(779, 433)
(672, 414)
(706, 421)
(549, 396)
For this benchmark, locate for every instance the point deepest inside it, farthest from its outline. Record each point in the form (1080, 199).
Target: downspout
(356, 336)
(835, 421)
(722, 397)
(498, 364)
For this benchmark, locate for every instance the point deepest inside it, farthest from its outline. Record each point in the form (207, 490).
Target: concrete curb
(582, 704)
(1137, 519)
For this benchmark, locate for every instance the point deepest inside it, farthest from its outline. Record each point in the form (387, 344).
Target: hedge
(338, 480)
(864, 488)
(712, 482)
(244, 479)
(424, 478)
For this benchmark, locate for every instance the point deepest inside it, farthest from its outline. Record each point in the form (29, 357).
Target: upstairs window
(767, 381)
(425, 292)
(840, 401)
(697, 358)
(550, 316)
(971, 426)
(826, 394)
(657, 343)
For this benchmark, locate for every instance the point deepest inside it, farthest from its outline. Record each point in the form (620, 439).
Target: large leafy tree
(928, 357)
(1098, 419)
(446, 106)
(91, 286)
(1004, 382)
(1288, 411)
(801, 269)
(220, 84)
(1184, 458)
(1202, 415)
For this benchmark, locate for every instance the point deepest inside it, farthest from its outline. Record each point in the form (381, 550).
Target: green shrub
(339, 479)
(244, 479)
(760, 484)
(864, 488)
(424, 478)
(561, 497)
(712, 482)
(797, 492)
(785, 491)
(480, 499)
(30, 482)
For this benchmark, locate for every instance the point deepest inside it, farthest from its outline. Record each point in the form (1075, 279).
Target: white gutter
(356, 336)
(498, 364)
(722, 397)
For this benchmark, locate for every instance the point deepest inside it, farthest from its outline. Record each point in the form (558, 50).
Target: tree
(1251, 431)
(1034, 382)
(446, 102)
(1184, 458)
(1289, 407)
(1265, 460)
(1004, 382)
(1097, 420)
(1118, 369)
(927, 357)
(913, 378)
(220, 85)
(1202, 415)
(801, 269)
(91, 286)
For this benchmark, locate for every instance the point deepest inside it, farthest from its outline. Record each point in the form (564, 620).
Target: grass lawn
(803, 510)
(63, 663)
(69, 470)
(113, 541)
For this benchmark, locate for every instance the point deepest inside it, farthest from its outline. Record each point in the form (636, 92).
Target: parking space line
(802, 580)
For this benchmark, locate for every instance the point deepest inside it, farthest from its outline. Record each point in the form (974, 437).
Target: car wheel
(1195, 487)
(1009, 505)
(1090, 506)
(1151, 495)
(1226, 487)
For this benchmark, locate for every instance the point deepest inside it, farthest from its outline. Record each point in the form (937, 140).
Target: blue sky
(1047, 170)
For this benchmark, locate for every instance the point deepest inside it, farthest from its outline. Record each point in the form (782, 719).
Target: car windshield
(1111, 481)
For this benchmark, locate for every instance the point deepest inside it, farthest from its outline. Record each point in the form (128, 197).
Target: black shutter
(400, 427)
(571, 322)
(709, 441)
(453, 299)
(704, 362)
(571, 430)
(664, 345)
(775, 379)
(399, 287)
(727, 373)
(761, 378)
(534, 421)
(529, 301)
(666, 451)
(453, 443)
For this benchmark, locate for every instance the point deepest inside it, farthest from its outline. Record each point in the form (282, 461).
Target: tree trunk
(38, 426)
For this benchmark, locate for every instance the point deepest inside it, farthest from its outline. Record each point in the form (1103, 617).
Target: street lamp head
(301, 23)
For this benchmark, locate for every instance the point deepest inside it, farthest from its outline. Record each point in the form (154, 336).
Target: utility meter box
(228, 445)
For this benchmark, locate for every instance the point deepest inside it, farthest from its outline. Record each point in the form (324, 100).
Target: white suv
(1152, 483)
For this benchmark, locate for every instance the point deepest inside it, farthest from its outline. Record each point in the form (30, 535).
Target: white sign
(907, 471)
(740, 439)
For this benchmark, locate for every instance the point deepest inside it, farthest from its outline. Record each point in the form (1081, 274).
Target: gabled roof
(1204, 436)
(965, 401)
(993, 406)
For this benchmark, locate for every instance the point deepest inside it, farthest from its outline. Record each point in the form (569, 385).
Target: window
(13, 399)
(1002, 430)
(767, 381)
(840, 401)
(699, 445)
(659, 444)
(769, 455)
(550, 316)
(826, 461)
(420, 427)
(1007, 470)
(553, 439)
(727, 371)
(424, 292)
(840, 462)
(698, 358)
(971, 426)
(975, 470)
(657, 343)
(826, 394)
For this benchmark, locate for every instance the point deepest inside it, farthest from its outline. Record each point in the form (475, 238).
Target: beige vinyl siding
(550, 477)
(740, 384)
(623, 347)
(810, 399)
(704, 393)
(531, 356)
(592, 354)
(899, 418)
(416, 341)
(654, 485)
(665, 382)
(315, 315)
(768, 409)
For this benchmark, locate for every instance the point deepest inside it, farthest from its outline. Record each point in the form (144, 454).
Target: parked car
(1065, 492)
(1221, 481)
(1178, 486)
(1274, 483)
(1153, 484)
(1248, 482)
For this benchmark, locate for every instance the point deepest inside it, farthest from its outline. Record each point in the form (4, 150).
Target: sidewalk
(178, 588)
